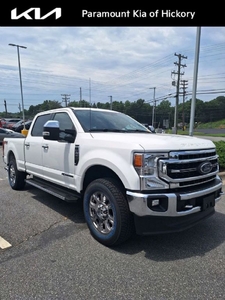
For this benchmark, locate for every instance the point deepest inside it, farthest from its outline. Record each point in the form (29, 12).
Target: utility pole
(21, 87)
(195, 79)
(65, 99)
(5, 104)
(110, 102)
(19, 107)
(90, 91)
(80, 93)
(179, 65)
(184, 84)
(154, 105)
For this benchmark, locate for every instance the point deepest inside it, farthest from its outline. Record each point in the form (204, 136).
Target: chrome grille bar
(185, 168)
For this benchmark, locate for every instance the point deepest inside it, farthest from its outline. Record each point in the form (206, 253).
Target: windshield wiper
(106, 130)
(118, 130)
(138, 130)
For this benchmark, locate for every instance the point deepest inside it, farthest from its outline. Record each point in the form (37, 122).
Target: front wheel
(107, 213)
(16, 178)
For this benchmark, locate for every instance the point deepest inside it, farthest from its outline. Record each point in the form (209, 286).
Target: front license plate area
(208, 201)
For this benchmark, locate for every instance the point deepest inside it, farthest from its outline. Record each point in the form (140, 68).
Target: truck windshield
(94, 120)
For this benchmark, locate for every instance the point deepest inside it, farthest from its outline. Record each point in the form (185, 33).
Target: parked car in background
(159, 130)
(14, 126)
(3, 121)
(4, 132)
(21, 126)
(8, 122)
(150, 127)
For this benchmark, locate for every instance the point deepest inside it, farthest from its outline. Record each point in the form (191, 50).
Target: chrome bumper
(139, 202)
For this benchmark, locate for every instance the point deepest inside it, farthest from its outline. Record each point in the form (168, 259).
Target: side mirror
(51, 130)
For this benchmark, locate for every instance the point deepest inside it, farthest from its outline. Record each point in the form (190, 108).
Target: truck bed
(16, 146)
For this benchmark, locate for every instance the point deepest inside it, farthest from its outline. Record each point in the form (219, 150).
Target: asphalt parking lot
(53, 256)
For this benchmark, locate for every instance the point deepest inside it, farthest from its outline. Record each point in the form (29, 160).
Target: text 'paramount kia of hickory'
(128, 179)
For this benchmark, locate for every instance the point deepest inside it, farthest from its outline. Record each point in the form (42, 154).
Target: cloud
(120, 61)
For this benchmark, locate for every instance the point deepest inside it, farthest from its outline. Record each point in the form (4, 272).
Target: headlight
(146, 164)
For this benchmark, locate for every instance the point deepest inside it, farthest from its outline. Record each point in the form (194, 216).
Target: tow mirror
(51, 130)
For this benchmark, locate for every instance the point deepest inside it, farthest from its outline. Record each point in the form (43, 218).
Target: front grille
(186, 168)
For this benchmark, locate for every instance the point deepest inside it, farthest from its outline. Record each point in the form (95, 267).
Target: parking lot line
(4, 244)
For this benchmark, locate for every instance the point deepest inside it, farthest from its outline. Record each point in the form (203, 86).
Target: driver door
(58, 156)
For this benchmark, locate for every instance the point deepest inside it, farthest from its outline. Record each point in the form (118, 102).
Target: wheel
(107, 213)
(16, 178)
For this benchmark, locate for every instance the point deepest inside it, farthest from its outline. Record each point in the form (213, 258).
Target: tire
(107, 213)
(16, 178)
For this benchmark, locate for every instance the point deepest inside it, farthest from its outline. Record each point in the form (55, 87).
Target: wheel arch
(16, 178)
(10, 156)
(99, 171)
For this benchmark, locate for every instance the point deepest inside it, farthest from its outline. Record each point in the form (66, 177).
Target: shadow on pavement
(196, 241)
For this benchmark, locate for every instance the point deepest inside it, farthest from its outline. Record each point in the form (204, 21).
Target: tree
(164, 111)
(50, 104)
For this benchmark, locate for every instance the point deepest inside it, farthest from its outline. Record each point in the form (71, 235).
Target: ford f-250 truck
(129, 179)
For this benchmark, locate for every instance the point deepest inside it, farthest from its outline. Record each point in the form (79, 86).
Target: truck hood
(149, 142)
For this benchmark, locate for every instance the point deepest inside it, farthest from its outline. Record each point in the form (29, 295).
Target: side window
(64, 122)
(38, 125)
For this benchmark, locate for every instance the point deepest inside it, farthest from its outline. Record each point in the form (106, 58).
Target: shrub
(220, 148)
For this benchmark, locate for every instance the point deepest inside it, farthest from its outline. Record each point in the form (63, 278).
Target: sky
(97, 64)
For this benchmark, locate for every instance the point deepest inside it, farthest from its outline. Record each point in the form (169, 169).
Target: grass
(202, 133)
(218, 125)
(186, 132)
(211, 125)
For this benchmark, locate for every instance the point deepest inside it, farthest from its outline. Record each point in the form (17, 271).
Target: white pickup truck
(129, 179)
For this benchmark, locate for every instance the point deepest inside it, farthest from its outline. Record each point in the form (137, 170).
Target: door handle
(45, 146)
(27, 144)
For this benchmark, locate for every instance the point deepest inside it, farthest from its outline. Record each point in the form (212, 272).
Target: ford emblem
(205, 167)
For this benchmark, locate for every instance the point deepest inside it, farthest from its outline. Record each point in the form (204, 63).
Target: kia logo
(37, 14)
(205, 167)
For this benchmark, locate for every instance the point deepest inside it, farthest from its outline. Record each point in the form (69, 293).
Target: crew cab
(129, 179)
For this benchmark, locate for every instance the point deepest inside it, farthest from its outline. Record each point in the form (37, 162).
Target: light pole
(110, 102)
(195, 77)
(153, 108)
(21, 87)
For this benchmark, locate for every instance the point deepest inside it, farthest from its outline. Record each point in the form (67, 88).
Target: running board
(53, 189)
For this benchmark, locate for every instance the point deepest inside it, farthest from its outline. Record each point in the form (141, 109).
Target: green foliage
(206, 112)
(217, 124)
(81, 103)
(220, 148)
(46, 105)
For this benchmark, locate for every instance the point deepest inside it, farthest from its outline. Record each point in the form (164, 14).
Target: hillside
(217, 125)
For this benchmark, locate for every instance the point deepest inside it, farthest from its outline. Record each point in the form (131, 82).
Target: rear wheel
(107, 213)
(16, 178)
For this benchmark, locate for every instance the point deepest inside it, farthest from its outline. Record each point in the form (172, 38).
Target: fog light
(155, 202)
(159, 204)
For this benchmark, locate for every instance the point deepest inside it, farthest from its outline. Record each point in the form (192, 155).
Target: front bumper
(169, 212)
